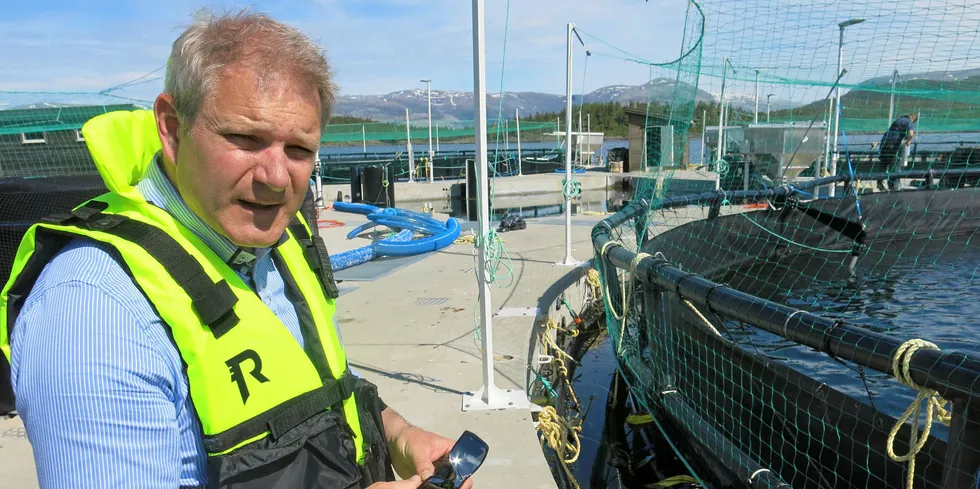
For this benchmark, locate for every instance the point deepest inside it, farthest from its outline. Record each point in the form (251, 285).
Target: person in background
(894, 143)
(178, 330)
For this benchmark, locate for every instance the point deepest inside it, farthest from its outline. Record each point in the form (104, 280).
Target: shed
(652, 141)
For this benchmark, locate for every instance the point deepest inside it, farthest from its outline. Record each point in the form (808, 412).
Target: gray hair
(269, 47)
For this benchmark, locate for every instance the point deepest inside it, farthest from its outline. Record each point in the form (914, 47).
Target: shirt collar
(157, 190)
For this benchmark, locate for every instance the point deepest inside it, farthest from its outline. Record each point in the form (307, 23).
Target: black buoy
(377, 188)
(355, 184)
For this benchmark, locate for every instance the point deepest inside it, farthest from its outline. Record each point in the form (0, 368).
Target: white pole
(721, 111)
(517, 120)
(768, 97)
(830, 115)
(489, 396)
(408, 145)
(428, 88)
(437, 138)
(891, 102)
(578, 141)
(569, 261)
(756, 118)
(840, 66)
(704, 127)
(506, 135)
(363, 139)
(318, 184)
(588, 142)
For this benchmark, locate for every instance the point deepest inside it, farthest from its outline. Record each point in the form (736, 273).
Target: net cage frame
(791, 395)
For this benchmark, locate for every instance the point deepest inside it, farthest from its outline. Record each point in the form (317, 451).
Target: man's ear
(168, 125)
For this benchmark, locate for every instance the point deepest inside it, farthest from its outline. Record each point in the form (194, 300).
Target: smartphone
(467, 455)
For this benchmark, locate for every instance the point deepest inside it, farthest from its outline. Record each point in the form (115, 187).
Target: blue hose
(440, 234)
(367, 253)
(423, 245)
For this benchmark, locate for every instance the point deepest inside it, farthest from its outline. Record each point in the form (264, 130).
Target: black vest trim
(316, 255)
(285, 416)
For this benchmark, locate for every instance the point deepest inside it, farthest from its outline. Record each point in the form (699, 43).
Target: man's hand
(414, 450)
(412, 483)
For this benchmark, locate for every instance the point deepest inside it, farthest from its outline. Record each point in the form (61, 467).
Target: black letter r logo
(235, 366)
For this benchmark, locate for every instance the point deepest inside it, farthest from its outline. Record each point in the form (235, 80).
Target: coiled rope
(560, 355)
(935, 406)
(553, 432)
(621, 317)
(594, 283)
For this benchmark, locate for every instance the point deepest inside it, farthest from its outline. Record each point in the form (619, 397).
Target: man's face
(245, 165)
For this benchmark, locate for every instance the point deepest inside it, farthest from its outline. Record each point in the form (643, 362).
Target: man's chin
(251, 236)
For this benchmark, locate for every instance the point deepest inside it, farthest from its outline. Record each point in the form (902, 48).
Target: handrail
(953, 375)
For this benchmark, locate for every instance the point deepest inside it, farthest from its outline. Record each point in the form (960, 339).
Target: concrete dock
(411, 329)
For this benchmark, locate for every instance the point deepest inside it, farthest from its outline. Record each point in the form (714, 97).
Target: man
(894, 142)
(178, 330)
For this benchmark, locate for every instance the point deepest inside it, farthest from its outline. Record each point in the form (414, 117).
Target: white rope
(935, 406)
(626, 296)
(706, 322)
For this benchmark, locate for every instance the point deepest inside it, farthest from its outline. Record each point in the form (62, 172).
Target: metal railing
(955, 376)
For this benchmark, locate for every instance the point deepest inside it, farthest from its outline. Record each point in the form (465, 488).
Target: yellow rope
(675, 480)
(466, 239)
(560, 355)
(553, 430)
(626, 298)
(595, 213)
(696, 311)
(595, 285)
(935, 406)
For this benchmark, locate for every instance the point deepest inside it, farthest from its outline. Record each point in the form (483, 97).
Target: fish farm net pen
(808, 318)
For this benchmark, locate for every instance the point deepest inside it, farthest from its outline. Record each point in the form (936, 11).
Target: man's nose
(271, 170)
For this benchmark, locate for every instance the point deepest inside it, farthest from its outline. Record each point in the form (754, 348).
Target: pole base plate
(500, 399)
(569, 262)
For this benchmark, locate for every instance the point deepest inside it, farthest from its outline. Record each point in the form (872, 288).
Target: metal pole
(506, 135)
(567, 187)
(318, 184)
(840, 66)
(704, 127)
(588, 142)
(408, 145)
(363, 139)
(488, 396)
(517, 119)
(768, 97)
(721, 112)
(437, 138)
(429, 166)
(578, 141)
(891, 102)
(756, 118)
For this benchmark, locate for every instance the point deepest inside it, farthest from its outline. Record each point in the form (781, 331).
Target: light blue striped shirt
(99, 385)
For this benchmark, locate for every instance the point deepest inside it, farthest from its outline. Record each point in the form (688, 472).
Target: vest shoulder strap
(213, 302)
(316, 255)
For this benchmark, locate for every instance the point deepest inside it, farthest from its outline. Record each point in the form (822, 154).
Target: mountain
(944, 77)
(937, 95)
(456, 105)
(746, 102)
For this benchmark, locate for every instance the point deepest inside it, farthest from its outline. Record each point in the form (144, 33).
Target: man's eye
(241, 138)
(299, 151)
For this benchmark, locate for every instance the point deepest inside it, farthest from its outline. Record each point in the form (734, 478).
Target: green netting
(757, 309)
(446, 132)
(39, 135)
(923, 53)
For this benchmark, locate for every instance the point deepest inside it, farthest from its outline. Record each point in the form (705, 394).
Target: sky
(380, 46)
(374, 46)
